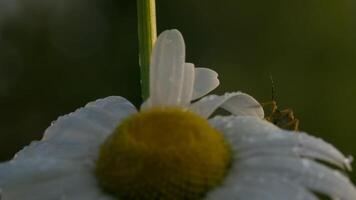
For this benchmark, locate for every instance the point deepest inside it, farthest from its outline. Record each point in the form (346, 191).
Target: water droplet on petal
(224, 119)
(251, 140)
(306, 163)
(229, 124)
(295, 150)
(321, 175)
(64, 197)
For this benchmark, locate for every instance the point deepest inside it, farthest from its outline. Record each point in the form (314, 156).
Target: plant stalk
(147, 34)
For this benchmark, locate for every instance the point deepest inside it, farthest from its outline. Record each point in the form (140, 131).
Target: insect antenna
(273, 92)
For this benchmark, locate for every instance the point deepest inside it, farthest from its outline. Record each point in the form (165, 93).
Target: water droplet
(306, 163)
(225, 119)
(210, 97)
(261, 179)
(296, 150)
(244, 120)
(229, 124)
(251, 140)
(321, 175)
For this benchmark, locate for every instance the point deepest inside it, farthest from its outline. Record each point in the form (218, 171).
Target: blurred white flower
(171, 150)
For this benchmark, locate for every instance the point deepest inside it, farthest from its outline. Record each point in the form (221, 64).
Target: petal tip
(172, 34)
(348, 161)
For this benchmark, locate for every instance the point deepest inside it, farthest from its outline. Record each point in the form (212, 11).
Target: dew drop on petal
(261, 179)
(229, 124)
(321, 175)
(306, 163)
(243, 121)
(209, 98)
(296, 150)
(251, 140)
(224, 119)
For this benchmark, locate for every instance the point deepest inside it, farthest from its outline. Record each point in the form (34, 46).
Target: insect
(282, 118)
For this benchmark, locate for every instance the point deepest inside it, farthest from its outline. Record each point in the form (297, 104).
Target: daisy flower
(170, 149)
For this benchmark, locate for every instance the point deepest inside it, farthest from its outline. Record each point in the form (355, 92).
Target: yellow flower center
(163, 153)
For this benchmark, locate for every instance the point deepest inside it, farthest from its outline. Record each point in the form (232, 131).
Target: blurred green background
(57, 55)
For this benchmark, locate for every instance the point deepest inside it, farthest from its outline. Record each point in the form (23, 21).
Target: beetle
(282, 118)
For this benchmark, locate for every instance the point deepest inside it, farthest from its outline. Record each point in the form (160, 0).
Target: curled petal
(206, 80)
(239, 104)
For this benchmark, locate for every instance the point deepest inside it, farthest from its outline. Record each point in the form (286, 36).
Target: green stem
(146, 14)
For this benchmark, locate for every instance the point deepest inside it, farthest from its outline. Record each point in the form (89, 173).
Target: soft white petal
(114, 105)
(244, 105)
(70, 145)
(59, 150)
(305, 172)
(79, 134)
(16, 173)
(92, 124)
(66, 156)
(262, 149)
(236, 103)
(60, 166)
(252, 187)
(167, 69)
(246, 125)
(39, 179)
(188, 84)
(251, 136)
(206, 80)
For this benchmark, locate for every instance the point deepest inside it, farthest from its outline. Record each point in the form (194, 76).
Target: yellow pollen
(163, 153)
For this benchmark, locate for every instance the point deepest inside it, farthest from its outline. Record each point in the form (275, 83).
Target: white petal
(46, 179)
(236, 103)
(77, 136)
(188, 84)
(91, 124)
(167, 69)
(251, 187)
(243, 124)
(16, 173)
(60, 166)
(251, 136)
(307, 173)
(58, 150)
(261, 149)
(206, 80)
(114, 105)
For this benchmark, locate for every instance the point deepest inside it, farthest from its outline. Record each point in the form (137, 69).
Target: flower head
(170, 149)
